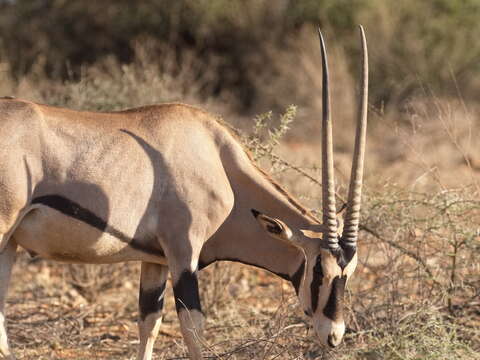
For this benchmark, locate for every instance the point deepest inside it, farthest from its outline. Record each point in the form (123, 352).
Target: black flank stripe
(76, 211)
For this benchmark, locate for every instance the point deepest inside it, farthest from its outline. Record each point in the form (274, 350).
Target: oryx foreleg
(153, 279)
(7, 259)
(189, 310)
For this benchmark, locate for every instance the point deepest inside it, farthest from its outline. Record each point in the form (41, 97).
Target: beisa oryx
(169, 186)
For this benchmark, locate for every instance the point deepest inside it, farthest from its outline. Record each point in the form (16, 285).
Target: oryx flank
(169, 186)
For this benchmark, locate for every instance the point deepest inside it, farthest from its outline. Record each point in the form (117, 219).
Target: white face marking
(330, 267)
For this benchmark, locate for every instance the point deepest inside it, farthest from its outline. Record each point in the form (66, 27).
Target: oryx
(169, 186)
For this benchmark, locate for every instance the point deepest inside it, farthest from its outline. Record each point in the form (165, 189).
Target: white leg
(7, 259)
(152, 290)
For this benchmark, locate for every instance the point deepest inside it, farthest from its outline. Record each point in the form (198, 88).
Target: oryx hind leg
(7, 259)
(10, 217)
(153, 279)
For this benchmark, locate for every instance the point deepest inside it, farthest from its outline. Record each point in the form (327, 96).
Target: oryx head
(330, 248)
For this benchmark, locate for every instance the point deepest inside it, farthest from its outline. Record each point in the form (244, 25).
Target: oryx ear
(273, 227)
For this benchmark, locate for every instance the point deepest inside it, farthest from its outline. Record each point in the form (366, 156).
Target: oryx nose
(333, 341)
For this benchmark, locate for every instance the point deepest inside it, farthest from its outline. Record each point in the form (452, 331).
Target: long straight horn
(352, 217)
(328, 184)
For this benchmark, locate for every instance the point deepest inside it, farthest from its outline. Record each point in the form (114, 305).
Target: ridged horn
(352, 216)
(330, 237)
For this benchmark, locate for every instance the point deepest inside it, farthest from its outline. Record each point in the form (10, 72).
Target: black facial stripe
(76, 211)
(334, 307)
(318, 266)
(186, 292)
(150, 301)
(297, 277)
(344, 254)
(340, 257)
(317, 281)
(349, 252)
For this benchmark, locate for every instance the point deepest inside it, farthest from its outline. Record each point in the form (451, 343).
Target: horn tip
(320, 35)
(362, 31)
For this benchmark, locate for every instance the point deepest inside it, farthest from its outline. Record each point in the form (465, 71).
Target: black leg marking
(151, 301)
(334, 308)
(76, 211)
(186, 292)
(317, 281)
(296, 278)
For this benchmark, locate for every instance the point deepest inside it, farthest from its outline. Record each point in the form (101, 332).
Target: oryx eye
(317, 269)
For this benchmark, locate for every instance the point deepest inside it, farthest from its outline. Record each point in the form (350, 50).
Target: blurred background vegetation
(412, 43)
(415, 293)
